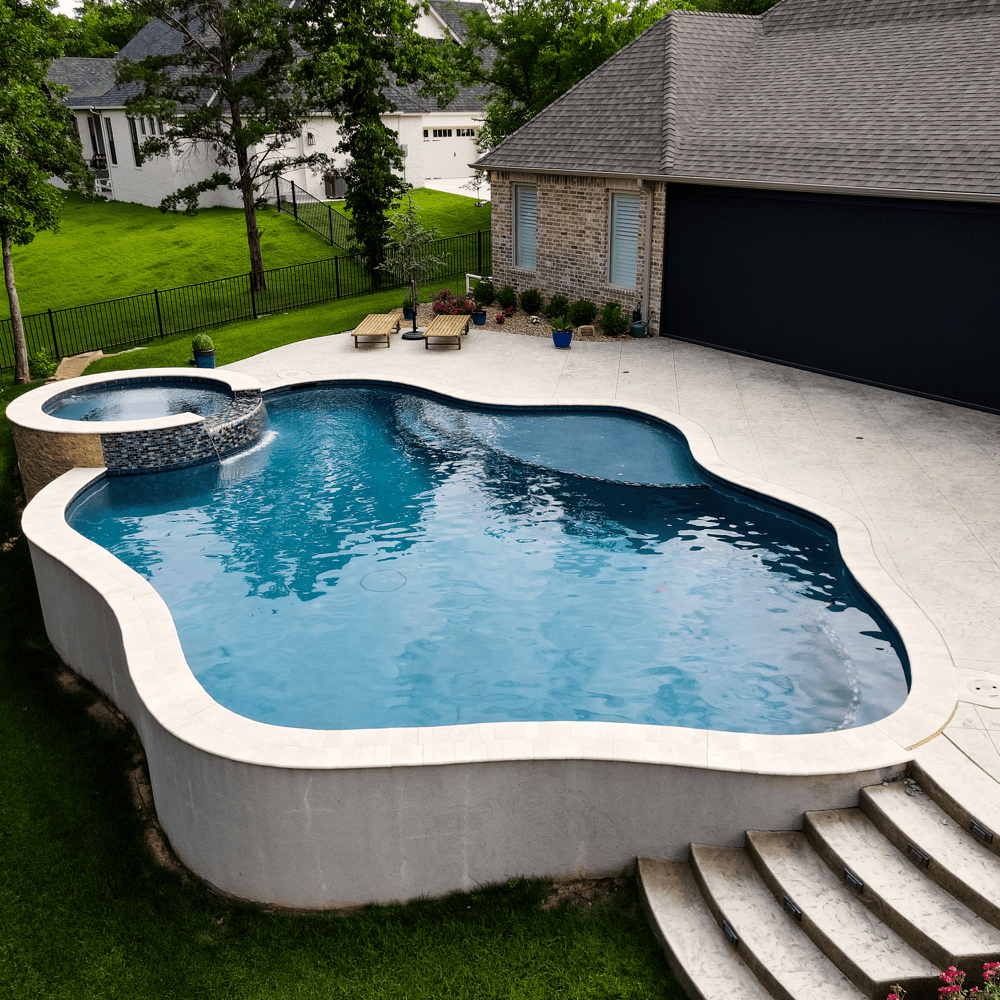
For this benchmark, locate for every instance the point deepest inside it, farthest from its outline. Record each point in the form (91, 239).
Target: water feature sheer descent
(387, 560)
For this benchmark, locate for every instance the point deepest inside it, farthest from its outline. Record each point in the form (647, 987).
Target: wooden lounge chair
(377, 327)
(447, 330)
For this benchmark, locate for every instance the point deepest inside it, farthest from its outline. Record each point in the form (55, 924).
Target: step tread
(954, 762)
(906, 888)
(921, 821)
(765, 929)
(877, 951)
(693, 939)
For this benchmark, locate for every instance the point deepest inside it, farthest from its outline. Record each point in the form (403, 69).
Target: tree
(734, 6)
(225, 84)
(541, 48)
(353, 48)
(100, 29)
(407, 251)
(37, 141)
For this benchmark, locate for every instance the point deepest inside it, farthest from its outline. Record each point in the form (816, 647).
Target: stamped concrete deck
(923, 476)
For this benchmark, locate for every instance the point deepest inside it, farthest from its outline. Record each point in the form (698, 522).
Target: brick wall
(573, 233)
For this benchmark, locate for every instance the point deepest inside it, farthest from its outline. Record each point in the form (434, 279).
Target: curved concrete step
(915, 824)
(873, 956)
(950, 775)
(900, 894)
(772, 944)
(704, 963)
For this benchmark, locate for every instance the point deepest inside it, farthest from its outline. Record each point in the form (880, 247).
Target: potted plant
(408, 305)
(562, 331)
(204, 351)
(483, 293)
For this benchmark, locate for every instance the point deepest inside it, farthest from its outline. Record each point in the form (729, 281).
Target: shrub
(203, 342)
(484, 293)
(613, 323)
(507, 297)
(40, 365)
(558, 306)
(582, 311)
(408, 300)
(447, 304)
(531, 301)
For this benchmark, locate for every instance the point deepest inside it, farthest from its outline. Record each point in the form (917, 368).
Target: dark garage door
(898, 293)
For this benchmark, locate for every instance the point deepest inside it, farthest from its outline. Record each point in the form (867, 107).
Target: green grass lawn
(108, 250)
(85, 914)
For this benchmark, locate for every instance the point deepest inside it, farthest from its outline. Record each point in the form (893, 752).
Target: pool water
(143, 401)
(386, 560)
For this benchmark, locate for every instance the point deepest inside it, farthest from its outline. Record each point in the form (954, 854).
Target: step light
(921, 857)
(793, 909)
(980, 831)
(853, 881)
(731, 936)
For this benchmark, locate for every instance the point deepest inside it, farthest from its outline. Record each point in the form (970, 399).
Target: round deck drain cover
(383, 580)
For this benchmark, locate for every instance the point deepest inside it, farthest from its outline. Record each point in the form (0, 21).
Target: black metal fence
(320, 217)
(131, 320)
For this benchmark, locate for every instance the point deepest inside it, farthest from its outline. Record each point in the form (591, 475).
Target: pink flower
(949, 989)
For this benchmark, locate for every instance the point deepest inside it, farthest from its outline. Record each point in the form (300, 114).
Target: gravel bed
(520, 322)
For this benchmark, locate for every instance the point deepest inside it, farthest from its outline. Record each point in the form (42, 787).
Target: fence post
(336, 273)
(55, 343)
(253, 296)
(479, 251)
(159, 315)
(295, 207)
(277, 194)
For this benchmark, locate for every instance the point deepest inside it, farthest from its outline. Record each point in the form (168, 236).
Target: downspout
(647, 265)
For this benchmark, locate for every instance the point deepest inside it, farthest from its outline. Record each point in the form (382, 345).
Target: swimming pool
(317, 818)
(388, 560)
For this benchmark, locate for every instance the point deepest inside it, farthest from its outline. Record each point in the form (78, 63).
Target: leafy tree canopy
(352, 50)
(225, 85)
(734, 6)
(37, 141)
(100, 28)
(541, 48)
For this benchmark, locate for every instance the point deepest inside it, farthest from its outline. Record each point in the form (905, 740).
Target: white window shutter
(624, 238)
(525, 227)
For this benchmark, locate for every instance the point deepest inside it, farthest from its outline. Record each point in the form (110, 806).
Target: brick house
(819, 186)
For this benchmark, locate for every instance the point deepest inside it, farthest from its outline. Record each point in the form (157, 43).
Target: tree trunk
(257, 278)
(16, 323)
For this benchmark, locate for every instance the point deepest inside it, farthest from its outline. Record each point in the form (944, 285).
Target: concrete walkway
(923, 476)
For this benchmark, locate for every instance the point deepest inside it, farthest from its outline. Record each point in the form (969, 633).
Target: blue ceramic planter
(204, 359)
(479, 317)
(562, 338)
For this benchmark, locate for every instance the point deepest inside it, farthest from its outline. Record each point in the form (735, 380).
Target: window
(525, 226)
(310, 139)
(135, 142)
(152, 126)
(624, 243)
(95, 135)
(466, 131)
(111, 141)
(142, 125)
(442, 133)
(425, 133)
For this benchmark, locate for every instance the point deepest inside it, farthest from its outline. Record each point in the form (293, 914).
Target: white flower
(534, 319)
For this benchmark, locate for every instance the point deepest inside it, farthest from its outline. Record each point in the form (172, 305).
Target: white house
(436, 143)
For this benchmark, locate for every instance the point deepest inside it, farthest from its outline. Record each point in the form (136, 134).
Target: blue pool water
(142, 401)
(388, 560)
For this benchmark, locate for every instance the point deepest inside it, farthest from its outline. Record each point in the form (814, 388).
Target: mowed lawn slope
(106, 250)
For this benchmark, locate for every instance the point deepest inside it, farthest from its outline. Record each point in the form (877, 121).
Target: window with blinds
(525, 226)
(624, 250)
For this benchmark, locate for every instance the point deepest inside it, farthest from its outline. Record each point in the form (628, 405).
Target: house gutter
(912, 194)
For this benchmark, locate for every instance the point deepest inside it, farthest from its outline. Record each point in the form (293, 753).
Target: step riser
(772, 985)
(953, 807)
(888, 914)
(975, 901)
(916, 988)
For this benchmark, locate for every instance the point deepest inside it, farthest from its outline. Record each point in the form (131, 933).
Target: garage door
(448, 152)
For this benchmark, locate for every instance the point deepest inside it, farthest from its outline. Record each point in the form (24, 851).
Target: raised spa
(386, 560)
(140, 401)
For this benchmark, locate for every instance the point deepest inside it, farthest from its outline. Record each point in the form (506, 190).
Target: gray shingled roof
(451, 11)
(867, 95)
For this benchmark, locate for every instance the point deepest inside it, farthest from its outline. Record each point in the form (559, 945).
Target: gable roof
(878, 96)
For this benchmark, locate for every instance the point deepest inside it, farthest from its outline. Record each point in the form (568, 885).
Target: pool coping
(171, 693)
(27, 411)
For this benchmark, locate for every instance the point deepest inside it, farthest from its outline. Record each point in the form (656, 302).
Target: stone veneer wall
(573, 236)
(43, 456)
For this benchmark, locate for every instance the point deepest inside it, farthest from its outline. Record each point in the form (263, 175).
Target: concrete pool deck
(317, 818)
